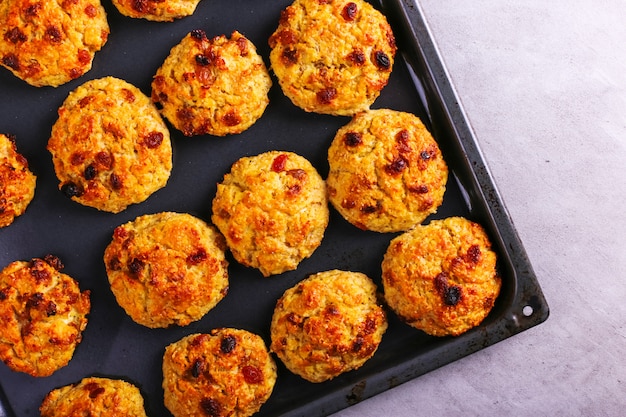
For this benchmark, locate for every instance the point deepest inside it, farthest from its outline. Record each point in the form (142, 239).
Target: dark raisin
(51, 309)
(231, 118)
(349, 12)
(419, 189)
(473, 254)
(197, 368)
(153, 140)
(228, 344)
(135, 266)
(90, 172)
(15, 35)
(33, 10)
(252, 374)
(397, 166)
(202, 60)
(353, 139)
(211, 407)
(327, 95)
(116, 181)
(198, 34)
(279, 162)
(289, 56)
(94, 389)
(357, 344)
(54, 262)
(71, 189)
(426, 155)
(140, 6)
(53, 34)
(104, 159)
(382, 60)
(369, 209)
(452, 295)
(91, 11)
(357, 58)
(34, 300)
(3, 294)
(441, 282)
(11, 61)
(197, 257)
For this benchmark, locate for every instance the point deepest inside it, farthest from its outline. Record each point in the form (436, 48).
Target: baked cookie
(273, 211)
(109, 146)
(441, 278)
(167, 268)
(42, 316)
(215, 86)
(94, 396)
(17, 182)
(327, 324)
(332, 56)
(227, 372)
(156, 10)
(48, 43)
(387, 173)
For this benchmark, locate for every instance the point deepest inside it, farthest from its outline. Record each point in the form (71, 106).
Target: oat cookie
(17, 182)
(167, 268)
(327, 324)
(94, 396)
(48, 43)
(441, 278)
(216, 86)
(332, 56)
(109, 146)
(42, 316)
(156, 10)
(387, 173)
(227, 372)
(273, 211)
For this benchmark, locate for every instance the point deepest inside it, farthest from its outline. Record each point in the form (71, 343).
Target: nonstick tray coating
(114, 346)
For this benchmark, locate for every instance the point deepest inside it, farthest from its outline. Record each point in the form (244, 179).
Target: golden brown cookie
(228, 372)
(387, 173)
(42, 316)
(109, 146)
(272, 209)
(94, 396)
(17, 182)
(48, 43)
(327, 324)
(441, 278)
(156, 10)
(215, 86)
(167, 268)
(332, 56)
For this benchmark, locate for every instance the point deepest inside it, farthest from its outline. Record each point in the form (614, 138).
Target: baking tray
(114, 346)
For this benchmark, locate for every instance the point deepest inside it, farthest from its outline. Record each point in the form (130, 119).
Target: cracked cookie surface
(49, 43)
(42, 316)
(387, 173)
(272, 209)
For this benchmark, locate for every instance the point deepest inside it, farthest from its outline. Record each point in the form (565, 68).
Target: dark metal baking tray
(114, 346)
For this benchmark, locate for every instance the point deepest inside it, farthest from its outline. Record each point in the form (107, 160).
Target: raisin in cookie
(441, 278)
(156, 10)
(48, 43)
(216, 86)
(328, 324)
(333, 56)
(167, 268)
(17, 182)
(42, 316)
(387, 173)
(227, 372)
(109, 146)
(94, 396)
(273, 211)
